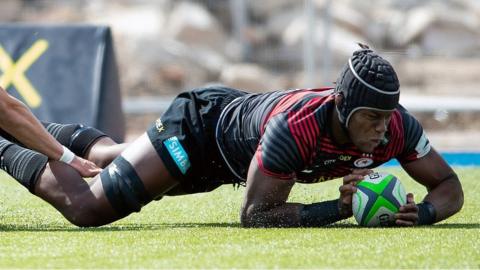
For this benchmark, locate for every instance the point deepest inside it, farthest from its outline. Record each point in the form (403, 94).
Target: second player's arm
(17, 120)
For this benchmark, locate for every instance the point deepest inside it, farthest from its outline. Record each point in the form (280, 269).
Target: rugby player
(268, 141)
(17, 121)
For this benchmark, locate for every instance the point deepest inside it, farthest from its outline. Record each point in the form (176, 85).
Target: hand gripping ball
(379, 196)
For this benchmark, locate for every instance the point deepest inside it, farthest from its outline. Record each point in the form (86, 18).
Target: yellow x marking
(14, 73)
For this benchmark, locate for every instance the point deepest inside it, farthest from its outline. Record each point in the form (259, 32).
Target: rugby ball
(379, 196)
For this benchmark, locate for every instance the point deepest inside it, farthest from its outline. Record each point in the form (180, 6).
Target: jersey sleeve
(416, 143)
(278, 154)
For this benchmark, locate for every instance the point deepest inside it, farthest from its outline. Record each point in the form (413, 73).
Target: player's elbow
(251, 217)
(454, 193)
(457, 197)
(246, 218)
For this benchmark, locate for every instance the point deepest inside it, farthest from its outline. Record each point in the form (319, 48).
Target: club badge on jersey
(364, 161)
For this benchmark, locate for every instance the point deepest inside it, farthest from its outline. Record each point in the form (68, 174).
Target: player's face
(367, 128)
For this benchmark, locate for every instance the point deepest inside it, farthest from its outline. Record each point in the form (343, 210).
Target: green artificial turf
(203, 231)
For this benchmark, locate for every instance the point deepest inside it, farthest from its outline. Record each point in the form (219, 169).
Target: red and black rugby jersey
(288, 133)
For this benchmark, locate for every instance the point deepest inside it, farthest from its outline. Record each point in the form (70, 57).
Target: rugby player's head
(369, 90)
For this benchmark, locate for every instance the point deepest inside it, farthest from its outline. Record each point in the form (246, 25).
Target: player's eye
(372, 117)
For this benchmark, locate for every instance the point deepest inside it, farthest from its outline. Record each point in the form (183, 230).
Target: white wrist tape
(67, 155)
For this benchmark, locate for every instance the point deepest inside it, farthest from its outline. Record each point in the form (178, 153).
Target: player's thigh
(149, 166)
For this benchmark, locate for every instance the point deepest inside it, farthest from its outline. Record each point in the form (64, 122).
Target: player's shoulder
(407, 120)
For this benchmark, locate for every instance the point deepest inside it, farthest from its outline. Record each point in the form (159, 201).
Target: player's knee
(83, 218)
(83, 212)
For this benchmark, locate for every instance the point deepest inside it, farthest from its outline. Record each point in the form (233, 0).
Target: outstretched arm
(265, 202)
(265, 205)
(17, 120)
(444, 188)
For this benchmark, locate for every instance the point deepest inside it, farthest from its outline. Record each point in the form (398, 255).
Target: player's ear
(338, 99)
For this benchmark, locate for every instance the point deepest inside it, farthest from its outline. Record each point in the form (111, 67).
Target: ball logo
(384, 219)
(363, 162)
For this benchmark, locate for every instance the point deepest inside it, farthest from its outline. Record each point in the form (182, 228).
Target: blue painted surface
(452, 158)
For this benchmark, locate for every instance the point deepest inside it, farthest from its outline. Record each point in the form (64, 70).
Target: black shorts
(184, 137)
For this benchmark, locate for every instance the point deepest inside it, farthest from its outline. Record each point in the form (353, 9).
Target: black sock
(60, 132)
(23, 164)
(75, 137)
(78, 138)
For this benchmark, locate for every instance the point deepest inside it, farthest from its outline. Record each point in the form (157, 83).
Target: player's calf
(82, 203)
(23, 164)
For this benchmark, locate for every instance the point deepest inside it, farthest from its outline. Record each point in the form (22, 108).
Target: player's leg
(131, 181)
(86, 142)
(103, 151)
(178, 150)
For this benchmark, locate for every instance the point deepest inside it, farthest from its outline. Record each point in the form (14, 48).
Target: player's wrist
(344, 210)
(320, 214)
(427, 214)
(67, 156)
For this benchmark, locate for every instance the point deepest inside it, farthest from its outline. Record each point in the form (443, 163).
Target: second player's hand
(347, 190)
(85, 167)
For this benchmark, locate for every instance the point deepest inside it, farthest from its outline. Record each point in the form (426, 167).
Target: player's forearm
(447, 197)
(18, 120)
(294, 215)
(285, 215)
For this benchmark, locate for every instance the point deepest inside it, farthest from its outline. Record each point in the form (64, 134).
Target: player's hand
(407, 214)
(85, 167)
(347, 190)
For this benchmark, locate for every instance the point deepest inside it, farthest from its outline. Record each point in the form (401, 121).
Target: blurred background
(164, 47)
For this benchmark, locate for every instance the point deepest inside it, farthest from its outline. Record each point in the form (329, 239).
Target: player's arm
(445, 192)
(265, 203)
(17, 120)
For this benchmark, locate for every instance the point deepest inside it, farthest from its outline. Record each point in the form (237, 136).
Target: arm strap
(320, 214)
(426, 213)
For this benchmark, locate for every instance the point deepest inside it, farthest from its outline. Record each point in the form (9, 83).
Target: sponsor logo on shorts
(159, 125)
(177, 152)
